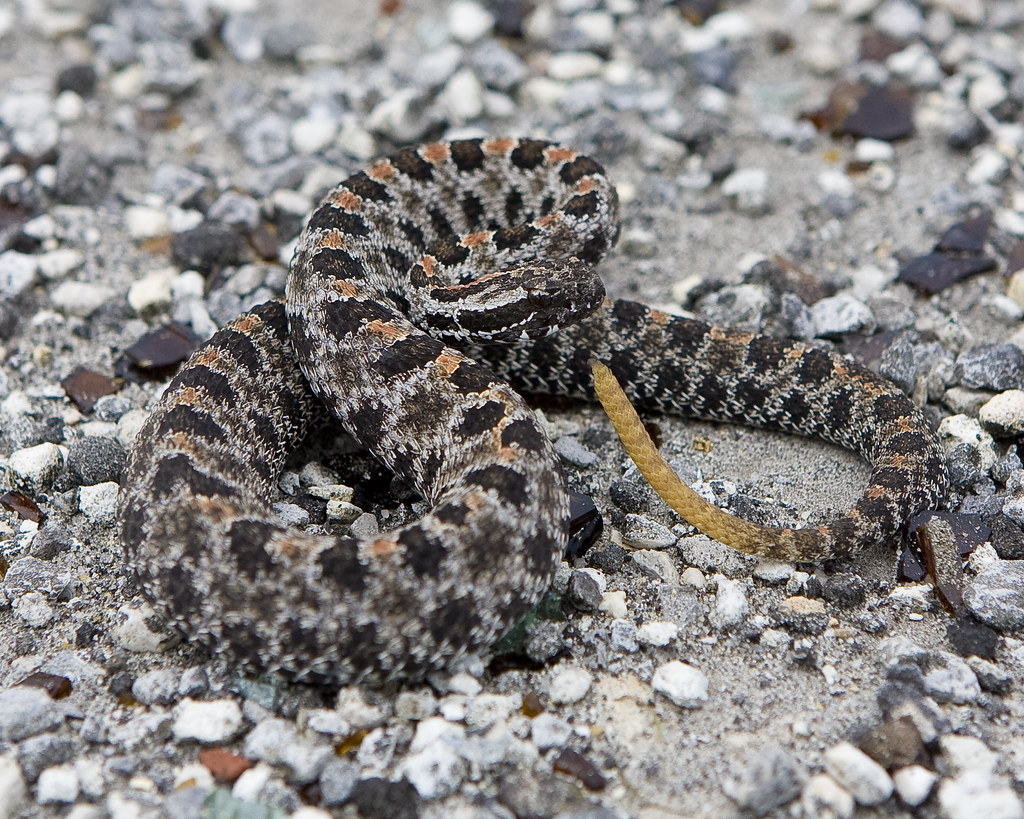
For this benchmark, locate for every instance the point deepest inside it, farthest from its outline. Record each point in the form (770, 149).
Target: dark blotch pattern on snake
(476, 242)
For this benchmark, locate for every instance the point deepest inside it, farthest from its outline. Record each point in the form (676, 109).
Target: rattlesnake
(426, 236)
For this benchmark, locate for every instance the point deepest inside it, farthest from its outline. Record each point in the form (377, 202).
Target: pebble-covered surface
(845, 171)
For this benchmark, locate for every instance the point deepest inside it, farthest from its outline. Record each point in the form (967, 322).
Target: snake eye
(540, 298)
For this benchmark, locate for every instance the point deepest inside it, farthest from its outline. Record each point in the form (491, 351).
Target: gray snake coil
(488, 245)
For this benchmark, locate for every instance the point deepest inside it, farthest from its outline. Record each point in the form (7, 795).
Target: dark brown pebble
(85, 387)
(881, 113)
(937, 271)
(895, 743)
(164, 347)
(968, 236)
(877, 47)
(23, 506)
(578, 766)
(56, 687)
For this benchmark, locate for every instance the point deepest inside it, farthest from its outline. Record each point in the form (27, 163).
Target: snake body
(487, 244)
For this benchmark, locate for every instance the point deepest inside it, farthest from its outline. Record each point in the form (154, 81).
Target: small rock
(208, 247)
(80, 299)
(337, 780)
(802, 615)
(996, 595)
(952, 680)
(550, 731)
(859, 773)
(641, 532)
(569, 685)
(35, 468)
(731, 605)
(685, 685)
(583, 591)
(43, 751)
(913, 784)
(656, 564)
(841, 314)
(12, 786)
(570, 449)
(624, 636)
(57, 785)
(34, 610)
(657, 633)
(210, 722)
(25, 712)
(768, 779)
(749, 188)
(99, 503)
(29, 574)
(159, 687)
(991, 367)
(613, 604)
(1003, 414)
(825, 798)
(435, 771)
(95, 460)
(468, 21)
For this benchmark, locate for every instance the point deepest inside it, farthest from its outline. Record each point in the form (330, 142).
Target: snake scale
(484, 245)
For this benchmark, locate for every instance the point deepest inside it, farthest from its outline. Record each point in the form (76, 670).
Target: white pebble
(211, 722)
(435, 771)
(463, 96)
(99, 502)
(145, 222)
(874, 150)
(658, 633)
(58, 263)
(749, 187)
(967, 754)
(986, 92)
(913, 784)
(824, 798)
(685, 685)
(132, 633)
(569, 685)
(33, 608)
(731, 606)
(469, 21)
(988, 168)
(58, 784)
(550, 731)
(310, 135)
(80, 299)
(35, 467)
(859, 773)
(152, 292)
(613, 604)
(574, 65)
(17, 272)
(12, 786)
(693, 577)
(465, 684)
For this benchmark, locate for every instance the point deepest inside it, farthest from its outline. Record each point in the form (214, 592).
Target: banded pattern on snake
(489, 245)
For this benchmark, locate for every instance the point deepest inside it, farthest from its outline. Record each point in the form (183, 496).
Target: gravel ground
(156, 161)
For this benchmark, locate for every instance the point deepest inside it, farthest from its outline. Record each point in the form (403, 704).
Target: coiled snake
(485, 243)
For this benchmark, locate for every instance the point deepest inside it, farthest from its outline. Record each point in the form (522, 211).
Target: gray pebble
(583, 591)
(623, 636)
(906, 360)
(952, 681)
(159, 687)
(841, 314)
(176, 184)
(571, 450)
(26, 711)
(33, 575)
(337, 780)
(550, 731)
(50, 541)
(194, 682)
(543, 641)
(642, 532)
(95, 459)
(768, 779)
(996, 595)
(37, 753)
(656, 564)
(991, 367)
